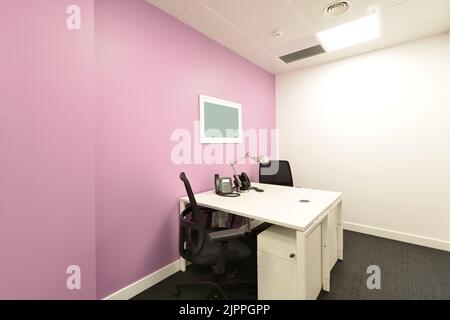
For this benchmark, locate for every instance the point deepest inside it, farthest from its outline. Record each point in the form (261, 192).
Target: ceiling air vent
(337, 8)
(303, 54)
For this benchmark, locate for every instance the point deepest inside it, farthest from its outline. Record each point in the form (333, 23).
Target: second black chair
(276, 172)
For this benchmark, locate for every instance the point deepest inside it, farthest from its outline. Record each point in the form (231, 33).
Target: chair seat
(237, 249)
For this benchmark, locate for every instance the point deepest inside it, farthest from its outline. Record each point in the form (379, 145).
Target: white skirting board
(399, 236)
(143, 284)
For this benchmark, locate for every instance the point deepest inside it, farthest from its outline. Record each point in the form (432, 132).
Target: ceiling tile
(297, 2)
(392, 3)
(289, 23)
(203, 20)
(247, 13)
(250, 50)
(174, 7)
(414, 13)
(417, 33)
(312, 12)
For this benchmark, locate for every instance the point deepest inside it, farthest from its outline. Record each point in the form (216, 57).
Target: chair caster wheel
(176, 292)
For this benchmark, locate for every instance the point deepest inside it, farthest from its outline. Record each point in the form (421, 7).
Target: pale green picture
(220, 121)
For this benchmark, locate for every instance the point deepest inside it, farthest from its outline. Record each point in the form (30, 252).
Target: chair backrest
(192, 201)
(276, 172)
(192, 230)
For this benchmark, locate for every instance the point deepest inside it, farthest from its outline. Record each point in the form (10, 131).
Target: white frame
(203, 138)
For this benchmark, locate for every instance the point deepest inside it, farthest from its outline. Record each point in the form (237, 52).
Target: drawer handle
(292, 255)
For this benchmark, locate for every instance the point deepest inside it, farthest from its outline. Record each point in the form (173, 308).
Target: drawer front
(278, 241)
(277, 265)
(273, 287)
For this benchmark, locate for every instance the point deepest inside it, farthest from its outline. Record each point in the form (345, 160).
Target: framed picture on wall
(220, 121)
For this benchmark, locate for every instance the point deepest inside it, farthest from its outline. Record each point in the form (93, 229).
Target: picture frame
(220, 120)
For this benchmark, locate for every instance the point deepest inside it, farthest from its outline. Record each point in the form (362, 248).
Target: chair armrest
(224, 235)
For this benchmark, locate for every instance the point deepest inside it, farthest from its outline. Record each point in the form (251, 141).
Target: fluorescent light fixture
(351, 33)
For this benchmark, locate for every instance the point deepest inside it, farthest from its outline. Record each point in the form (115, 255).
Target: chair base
(216, 290)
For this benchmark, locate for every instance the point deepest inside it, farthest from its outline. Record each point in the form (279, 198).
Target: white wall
(377, 127)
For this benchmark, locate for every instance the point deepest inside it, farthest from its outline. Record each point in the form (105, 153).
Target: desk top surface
(277, 204)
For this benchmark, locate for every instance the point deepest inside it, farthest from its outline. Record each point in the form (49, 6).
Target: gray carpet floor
(407, 272)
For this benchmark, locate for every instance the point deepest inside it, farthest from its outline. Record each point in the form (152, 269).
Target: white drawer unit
(277, 264)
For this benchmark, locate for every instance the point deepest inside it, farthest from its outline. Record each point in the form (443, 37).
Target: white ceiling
(247, 26)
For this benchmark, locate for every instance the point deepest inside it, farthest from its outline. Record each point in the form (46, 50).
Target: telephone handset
(224, 187)
(245, 181)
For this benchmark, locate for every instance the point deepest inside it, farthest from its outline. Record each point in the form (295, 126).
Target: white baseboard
(399, 236)
(143, 284)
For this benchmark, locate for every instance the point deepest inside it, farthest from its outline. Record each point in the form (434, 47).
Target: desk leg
(325, 255)
(301, 265)
(340, 233)
(182, 260)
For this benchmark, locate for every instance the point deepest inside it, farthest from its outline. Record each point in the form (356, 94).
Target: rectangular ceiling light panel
(351, 33)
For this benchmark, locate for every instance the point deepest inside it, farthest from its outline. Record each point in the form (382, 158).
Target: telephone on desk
(245, 183)
(224, 186)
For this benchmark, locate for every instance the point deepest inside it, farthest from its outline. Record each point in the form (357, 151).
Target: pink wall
(46, 150)
(86, 176)
(150, 69)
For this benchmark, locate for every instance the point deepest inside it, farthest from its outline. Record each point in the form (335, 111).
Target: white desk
(281, 206)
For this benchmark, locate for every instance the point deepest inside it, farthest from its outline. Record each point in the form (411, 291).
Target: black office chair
(276, 172)
(209, 247)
